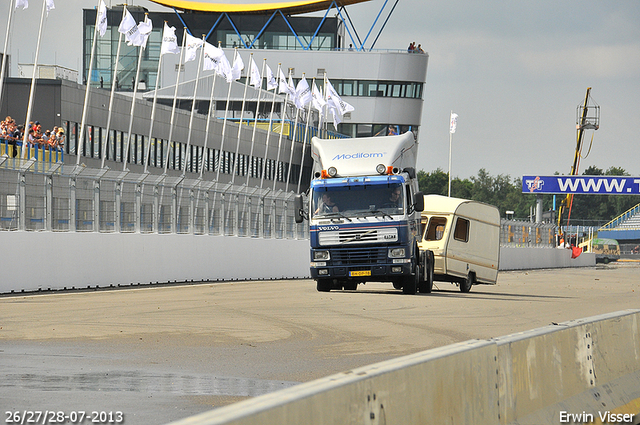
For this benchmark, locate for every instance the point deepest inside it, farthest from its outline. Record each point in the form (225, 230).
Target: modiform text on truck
(364, 212)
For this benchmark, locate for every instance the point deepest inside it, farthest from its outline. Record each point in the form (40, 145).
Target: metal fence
(515, 233)
(37, 196)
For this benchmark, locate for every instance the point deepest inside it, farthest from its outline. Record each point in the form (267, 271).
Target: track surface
(162, 353)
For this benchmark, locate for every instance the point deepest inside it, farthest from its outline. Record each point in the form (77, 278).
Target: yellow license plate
(360, 273)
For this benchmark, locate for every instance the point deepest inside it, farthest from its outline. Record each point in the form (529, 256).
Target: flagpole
(255, 121)
(304, 139)
(266, 145)
(293, 140)
(153, 111)
(450, 139)
(282, 118)
(133, 103)
(113, 89)
(4, 52)
(324, 108)
(175, 96)
(88, 82)
(236, 160)
(33, 84)
(206, 132)
(224, 122)
(193, 109)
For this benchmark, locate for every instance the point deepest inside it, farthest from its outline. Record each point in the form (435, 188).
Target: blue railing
(41, 153)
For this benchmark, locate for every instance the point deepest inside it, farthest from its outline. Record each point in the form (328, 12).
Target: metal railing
(514, 233)
(49, 196)
(622, 218)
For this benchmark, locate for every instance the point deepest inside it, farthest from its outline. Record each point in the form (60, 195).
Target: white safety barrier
(582, 367)
(529, 258)
(57, 260)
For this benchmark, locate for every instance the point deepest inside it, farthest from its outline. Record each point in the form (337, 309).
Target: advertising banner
(588, 185)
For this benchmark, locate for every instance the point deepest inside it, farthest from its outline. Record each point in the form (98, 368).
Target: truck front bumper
(360, 272)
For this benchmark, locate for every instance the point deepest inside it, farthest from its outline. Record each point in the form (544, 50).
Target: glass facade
(276, 35)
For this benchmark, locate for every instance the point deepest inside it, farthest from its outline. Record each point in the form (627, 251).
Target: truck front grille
(358, 236)
(356, 256)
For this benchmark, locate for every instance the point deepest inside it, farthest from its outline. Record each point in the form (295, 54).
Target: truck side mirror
(298, 208)
(418, 201)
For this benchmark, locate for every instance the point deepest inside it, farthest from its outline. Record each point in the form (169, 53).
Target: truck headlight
(321, 255)
(397, 253)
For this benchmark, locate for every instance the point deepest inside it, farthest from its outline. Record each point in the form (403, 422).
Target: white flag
(335, 101)
(214, 59)
(192, 46)
(271, 79)
(102, 18)
(23, 3)
(169, 41)
(256, 77)
(236, 69)
(128, 27)
(303, 93)
(317, 99)
(336, 118)
(50, 6)
(285, 87)
(453, 123)
(144, 28)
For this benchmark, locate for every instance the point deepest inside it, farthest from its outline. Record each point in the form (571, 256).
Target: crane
(587, 118)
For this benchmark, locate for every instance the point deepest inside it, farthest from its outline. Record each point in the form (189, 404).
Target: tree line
(505, 192)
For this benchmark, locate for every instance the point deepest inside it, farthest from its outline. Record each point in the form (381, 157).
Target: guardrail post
(236, 227)
(118, 218)
(49, 205)
(223, 216)
(96, 205)
(156, 210)
(191, 212)
(72, 204)
(22, 202)
(174, 209)
(138, 189)
(207, 228)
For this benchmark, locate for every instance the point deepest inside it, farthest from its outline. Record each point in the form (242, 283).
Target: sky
(513, 71)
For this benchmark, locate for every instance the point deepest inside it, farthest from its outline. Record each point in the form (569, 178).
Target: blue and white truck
(364, 213)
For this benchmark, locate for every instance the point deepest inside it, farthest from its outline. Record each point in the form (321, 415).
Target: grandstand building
(385, 87)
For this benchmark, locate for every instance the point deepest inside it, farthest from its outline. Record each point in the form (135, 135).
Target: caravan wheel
(465, 286)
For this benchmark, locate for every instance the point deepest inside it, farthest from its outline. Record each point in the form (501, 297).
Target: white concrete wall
(58, 260)
(542, 258)
(51, 260)
(590, 365)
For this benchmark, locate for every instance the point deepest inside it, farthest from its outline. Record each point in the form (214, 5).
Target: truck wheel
(324, 285)
(465, 286)
(397, 284)
(426, 285)
(410, 285)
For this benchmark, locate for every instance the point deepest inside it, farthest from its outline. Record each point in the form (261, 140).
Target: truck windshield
(361, 199)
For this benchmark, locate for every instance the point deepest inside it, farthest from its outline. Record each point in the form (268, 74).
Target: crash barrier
(36, 261)
(583, 367)
(74, 227)
(525, 258)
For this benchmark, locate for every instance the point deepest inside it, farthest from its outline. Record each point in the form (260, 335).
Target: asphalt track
(164, 352)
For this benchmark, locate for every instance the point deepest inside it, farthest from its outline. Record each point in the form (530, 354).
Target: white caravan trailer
(464, 237)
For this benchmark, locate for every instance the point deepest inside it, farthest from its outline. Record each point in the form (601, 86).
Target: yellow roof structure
(287, 7)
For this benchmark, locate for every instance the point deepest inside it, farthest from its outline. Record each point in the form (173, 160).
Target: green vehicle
(606, 250)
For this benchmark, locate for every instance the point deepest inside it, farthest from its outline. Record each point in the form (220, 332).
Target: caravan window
(462, 230)
(435, 231)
